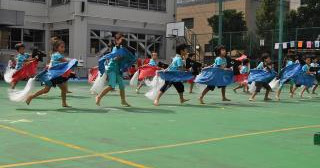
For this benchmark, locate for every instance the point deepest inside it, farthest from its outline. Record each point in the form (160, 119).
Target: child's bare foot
(125, 104)
(156, 102)
(28, 101)
(201, 101)
(251, 99)
(137, 91)
(66, 106)
(277, 98)
(98, 101)
(291, 95)
(225, 99)
(184, 100)
(267, 99)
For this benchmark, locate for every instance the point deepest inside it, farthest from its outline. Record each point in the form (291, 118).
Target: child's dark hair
(217, 49)
(190, 55)
(265, 56)
(18, 46)
(306, 56)
(118, 36)
(56, 42)
(245, 61)
(180, 47)
(290, 57)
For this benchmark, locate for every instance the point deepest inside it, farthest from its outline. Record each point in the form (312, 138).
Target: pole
(230, 42)
(272, 44)
(280, 53)
(296, 42)
(220, 22)
(250, 40)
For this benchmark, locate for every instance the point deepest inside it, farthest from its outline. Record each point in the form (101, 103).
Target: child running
(220, 62)
(278, 92)
(244, 72)
(193, 66)
(306, 71)
(22, 59)
(58, 47)
(176, 65)
(114, 73)
(151, 62)
(265, 65)
(315, 66)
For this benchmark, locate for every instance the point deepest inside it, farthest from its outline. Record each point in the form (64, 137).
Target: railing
(192, 41)
(34, 1)
(59, 2)
(132, 4)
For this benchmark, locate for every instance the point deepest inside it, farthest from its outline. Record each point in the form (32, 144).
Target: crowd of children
(298, 73)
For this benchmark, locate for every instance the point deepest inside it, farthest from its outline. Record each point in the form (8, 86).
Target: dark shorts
(178, 85)
(60, 80)
(259, 85)
(211, 88)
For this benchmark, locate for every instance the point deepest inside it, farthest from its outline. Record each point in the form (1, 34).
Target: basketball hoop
(175, 30)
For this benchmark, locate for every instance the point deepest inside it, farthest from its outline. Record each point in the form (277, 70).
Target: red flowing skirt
(27, 71)
(93, 74)
(191, 80)
(241, 79)
(147, 71)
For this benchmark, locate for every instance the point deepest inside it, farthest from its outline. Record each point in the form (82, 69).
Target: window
(63, 35)
(144, 44)
(34, 38)
(188, 23)
(31, 38)
(156, 5)
(100, 40)
(208, 48)
(59, 2)
(35, 1)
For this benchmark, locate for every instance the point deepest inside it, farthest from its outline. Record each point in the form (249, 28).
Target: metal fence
(252, 44)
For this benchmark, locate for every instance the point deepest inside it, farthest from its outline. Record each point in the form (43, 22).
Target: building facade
(295, 4)
(195, 14)
(87, 26)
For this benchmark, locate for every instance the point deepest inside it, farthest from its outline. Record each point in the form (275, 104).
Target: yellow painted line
(213, 139)
(164, 146)
(47, 161)
(68, 145)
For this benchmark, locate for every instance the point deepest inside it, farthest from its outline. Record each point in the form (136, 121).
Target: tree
(307, 15)
(233, 21)
(267, 16)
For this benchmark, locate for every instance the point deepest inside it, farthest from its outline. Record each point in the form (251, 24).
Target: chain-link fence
(252, 44)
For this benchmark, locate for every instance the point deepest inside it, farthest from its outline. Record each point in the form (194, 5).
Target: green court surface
(236, 134)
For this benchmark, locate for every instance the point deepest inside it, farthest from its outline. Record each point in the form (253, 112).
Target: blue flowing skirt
(290, 72)
(54, 75)
(261, 76)
(126, 60)
(304, 79)
(214, 76)
(175, 76)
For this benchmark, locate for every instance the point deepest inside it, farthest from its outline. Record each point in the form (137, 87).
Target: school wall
(69, 16)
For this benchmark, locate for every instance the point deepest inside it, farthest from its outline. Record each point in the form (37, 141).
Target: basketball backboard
(175, 29)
